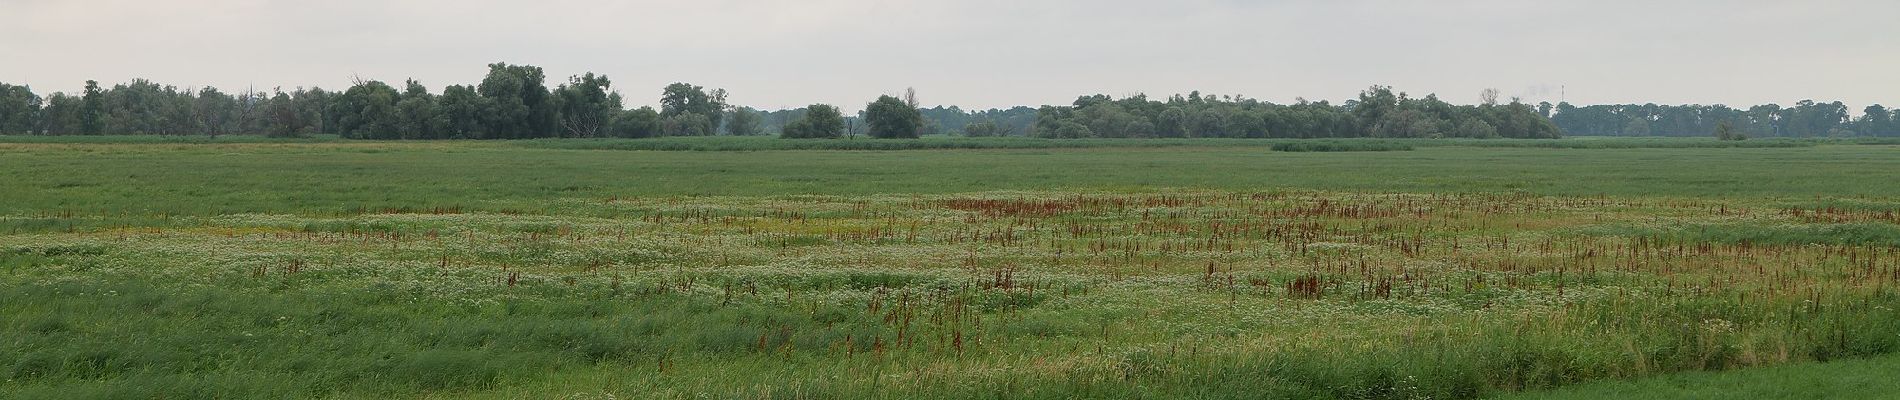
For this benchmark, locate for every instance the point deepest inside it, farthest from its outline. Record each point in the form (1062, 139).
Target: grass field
(1852, 379)
(603, 269)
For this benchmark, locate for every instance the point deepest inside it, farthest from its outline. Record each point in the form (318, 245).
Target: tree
(587, 105)
(641, 123)
(1209, 122)
(1374, 103)
(1107, 119)
(282, 118)
(1406, 123)
(1876, 120)
(743, 122)
(461, 109)
(1636, 127)
(819, 122)
(518, 102)
(418, 114)
(92, 110)
(1172, 123)
(1476, 128)
(687, 125)
(19, 110)
(212, 111)
(892, 118)
(681, 99)
(1072, 130)
(1727, 131)
(982, 128)
(368, 111)
(60, 114)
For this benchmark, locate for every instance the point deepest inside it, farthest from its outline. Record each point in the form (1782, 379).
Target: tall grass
(504, 270)
(1051, 294)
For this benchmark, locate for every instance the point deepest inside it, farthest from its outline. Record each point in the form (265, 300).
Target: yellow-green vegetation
(1175, 278)
(1847, 380)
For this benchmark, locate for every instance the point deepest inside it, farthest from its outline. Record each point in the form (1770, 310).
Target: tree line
(1806, 118)
(511, 102)
(1378, 112)
(515, 102)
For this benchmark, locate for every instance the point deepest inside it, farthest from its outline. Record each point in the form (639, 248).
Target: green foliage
(1379, 112)
(687, 125)
(1876, 234)
(1172, 123)
(518, 102)
(1726, 131)
(1844, 379)
(744, 122)
(418, 115)
(1335, 145)
(892, 118)
(367, 111)
(92, 110)
(820, 121)
(1011, 121)
(638, 123)
(1805, 119)
(513, 102)
(985, 128)
(461, 108)
(587, 106)
(213, 110)
(19, 110)
(689, 110)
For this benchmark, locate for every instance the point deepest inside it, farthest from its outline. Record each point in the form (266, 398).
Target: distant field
(132, 180)
(141, 268)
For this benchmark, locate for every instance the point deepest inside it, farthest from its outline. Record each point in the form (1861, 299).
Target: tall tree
(743, 122)
(92, 109)
(1876, 120)
(213, 110)
(19, 110)
(587, 104)
(1172, 123)
(983, 128)
(61, 115)
(282, 118)
(820, 121)
(640, 123)
(418, 114)
(517, 100)
(679, 100)
(368, 111)
(462, 108)
(892, 118)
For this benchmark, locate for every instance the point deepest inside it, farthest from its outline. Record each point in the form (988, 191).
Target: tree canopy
(819, 121)
(514, 102)
(893, 118)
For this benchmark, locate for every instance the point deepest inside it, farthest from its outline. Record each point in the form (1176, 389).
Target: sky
(988, 53)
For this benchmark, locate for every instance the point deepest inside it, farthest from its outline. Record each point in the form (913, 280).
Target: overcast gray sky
(988, 53)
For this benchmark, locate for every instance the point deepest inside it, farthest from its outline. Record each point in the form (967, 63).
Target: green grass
(1334, 145)
(270, 269)
(124, 181)
(1847, 379)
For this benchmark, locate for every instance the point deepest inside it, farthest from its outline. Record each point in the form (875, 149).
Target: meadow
(736, 268)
